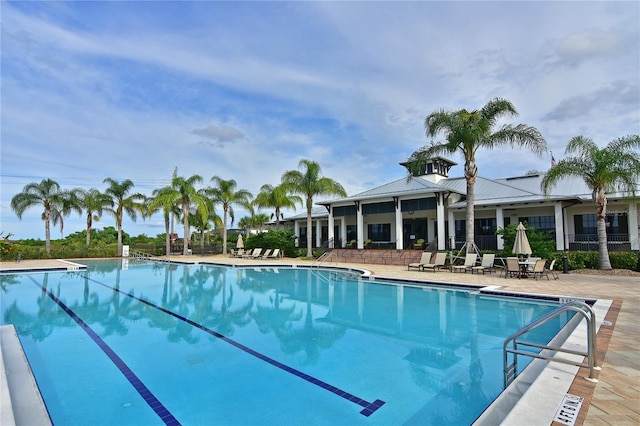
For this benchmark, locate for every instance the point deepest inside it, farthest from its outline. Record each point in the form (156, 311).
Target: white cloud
(245, 90)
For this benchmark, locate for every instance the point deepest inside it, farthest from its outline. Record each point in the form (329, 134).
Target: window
(379, 231)
(377, 208)
(586, 224)
(541, 223)
(616, 223)
(352, 233)
(485, 226)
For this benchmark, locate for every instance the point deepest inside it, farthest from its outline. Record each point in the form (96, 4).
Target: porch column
(452, 230)
(633, 226)
(499, 224)
(318, 232)
(343, 231)
(442, 242)
(559, 218)
(360, 224)
(399, 233)
(330, 225)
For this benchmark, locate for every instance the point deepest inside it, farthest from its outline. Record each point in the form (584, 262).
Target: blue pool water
(155, 343)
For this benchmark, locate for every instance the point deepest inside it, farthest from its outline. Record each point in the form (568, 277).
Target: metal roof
(511, 190)
(397, 188)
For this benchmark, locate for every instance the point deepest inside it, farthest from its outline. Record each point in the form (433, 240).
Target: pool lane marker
(368, 407)
(140, 387)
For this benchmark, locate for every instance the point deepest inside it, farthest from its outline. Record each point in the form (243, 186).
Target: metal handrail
(510, 370)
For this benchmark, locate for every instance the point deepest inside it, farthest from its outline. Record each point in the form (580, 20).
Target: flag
(553, 161)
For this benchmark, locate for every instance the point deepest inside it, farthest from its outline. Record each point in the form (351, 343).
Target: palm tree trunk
(186, 233)
(89, 223)
(601, 213)
(167, 235)
(224, 232)
(47, 232)
(309, 230)
(120, 238)
(470, 174)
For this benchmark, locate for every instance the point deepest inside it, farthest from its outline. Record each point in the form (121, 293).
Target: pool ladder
(510, 370)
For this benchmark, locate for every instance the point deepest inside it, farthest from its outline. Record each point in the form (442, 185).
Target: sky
(245, 90)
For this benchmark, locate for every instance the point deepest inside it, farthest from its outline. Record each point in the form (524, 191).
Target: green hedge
(591, 260)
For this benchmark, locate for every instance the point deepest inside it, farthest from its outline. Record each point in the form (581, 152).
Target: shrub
(542, 245)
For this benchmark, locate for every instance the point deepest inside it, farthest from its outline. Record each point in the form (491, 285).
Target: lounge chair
(237, 253)
(469, 262)
(538, 269)
(441, 259)
(512, 267)
(254, 254)
(486, 264)
(266, 254)
(274, 255)
(424, 259)
(551, 271)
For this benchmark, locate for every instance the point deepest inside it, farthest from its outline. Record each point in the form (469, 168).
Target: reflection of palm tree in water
(119, 311)
(41, 324)
(224, 320)
(311, 337)
(274, 317)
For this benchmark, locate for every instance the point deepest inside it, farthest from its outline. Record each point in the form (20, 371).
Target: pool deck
(614, 400)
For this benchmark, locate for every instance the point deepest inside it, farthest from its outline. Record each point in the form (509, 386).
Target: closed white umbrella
(521, 244)
(240, 243)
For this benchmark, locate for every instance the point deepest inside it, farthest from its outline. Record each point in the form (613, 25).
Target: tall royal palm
(94, 204)
(122, 201)
(612, 169)
(467, 132)
(53, 199)
(309, 184)
(168, 206)
(224, 192)
(277, 198)
(183, 193)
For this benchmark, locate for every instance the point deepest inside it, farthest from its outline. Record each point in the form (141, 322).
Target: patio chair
(266, 254)
(425, 258)
(441, 259)
(274, 255)
(254, 254)
(237, 253)
(469, 262)
(512, 268)
(551, 271)
(486, 264)
(538, 269)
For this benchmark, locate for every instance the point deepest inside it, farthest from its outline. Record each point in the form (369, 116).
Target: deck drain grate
(567, 413)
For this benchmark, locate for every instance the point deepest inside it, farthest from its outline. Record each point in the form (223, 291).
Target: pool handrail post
(510, 371)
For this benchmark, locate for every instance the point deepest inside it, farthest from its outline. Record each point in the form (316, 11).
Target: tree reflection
(312, 336)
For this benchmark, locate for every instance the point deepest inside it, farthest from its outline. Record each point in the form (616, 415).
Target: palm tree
(309, 184)
(183, 193)
(122, 202)
(168, 207)
(94, 203)
(276, 197)
(468, 131)
(55, 201)
(204, 223)
(225, 193)
(614, 168)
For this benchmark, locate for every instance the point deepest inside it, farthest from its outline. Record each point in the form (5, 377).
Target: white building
(433, 206)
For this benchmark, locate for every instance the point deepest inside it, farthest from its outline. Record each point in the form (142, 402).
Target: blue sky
(244, 90)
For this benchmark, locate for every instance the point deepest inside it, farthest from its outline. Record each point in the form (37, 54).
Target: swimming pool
(204, 344)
